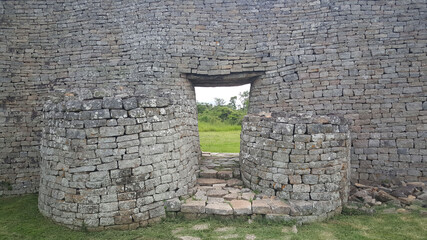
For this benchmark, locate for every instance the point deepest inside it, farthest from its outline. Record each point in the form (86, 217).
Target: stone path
(220, 192)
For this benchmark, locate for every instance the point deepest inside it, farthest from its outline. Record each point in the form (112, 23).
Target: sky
(208, 94)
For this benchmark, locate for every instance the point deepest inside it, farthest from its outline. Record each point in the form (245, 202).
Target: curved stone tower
(117, 81)
(301, 158)
(111, 157)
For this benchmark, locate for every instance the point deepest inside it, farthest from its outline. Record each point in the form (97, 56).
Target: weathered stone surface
(111, 131)
(279, 207)
(300, 208)
(83, 72)
(261, 207)
(234, 182)
(225, 174)
(219, 209)
(209, 181)
(217, 193)
(173, 205)
(193, 207)
(208, 173)
(241, 207)
(384, 197)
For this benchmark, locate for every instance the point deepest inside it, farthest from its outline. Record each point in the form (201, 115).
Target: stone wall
(111, 159)
(364, 60)
(25, 74)
(298, 158)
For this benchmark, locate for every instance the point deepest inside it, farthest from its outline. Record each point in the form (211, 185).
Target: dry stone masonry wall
(301, 158)
(112, 159)
(363, 60)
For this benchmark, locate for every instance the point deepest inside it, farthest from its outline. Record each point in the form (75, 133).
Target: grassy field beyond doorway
(221, 138)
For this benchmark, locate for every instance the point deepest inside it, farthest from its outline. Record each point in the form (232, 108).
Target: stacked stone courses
(297, 158)
(87, 60)
(111, 160)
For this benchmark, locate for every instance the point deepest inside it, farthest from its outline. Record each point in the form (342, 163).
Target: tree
(219, 102)
(233, 103)
(203, 107)
(244, 99)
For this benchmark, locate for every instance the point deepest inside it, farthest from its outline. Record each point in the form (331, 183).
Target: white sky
(208, 94)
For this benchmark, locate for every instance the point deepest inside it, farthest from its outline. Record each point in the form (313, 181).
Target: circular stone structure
(301, 158)
(111, 158)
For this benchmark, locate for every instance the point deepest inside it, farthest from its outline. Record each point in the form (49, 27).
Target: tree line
(231, 113)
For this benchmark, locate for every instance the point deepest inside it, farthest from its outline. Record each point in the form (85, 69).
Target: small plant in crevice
(83, 228)
(6, 185)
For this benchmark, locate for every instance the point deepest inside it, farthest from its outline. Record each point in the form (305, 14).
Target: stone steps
(220, 192)
(219, 165)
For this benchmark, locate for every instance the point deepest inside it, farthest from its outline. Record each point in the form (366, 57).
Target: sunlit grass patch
(222, 142)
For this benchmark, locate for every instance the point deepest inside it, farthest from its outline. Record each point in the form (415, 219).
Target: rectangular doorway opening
(220, 114)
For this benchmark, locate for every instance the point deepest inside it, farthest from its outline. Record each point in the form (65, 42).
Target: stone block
(217, 193)
(119, 220)
(100, 114)
(219, 209)
(133, 129)
(209, 181)
(241, 207)
(119, 113)
(279, 207)
(301, 208)
(261, 207)
(112, 103)
(209, 173)
(225, 174)
(76, 134)
(92, 104)
(99, 176)
(137, 113)
(130, 103)
(111, 131)
(173, 205)
(193, 207)
(310, 179)
(108, 207)
(301, 188)
(73, 105)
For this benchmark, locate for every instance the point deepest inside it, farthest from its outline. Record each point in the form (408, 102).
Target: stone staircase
(219, 191)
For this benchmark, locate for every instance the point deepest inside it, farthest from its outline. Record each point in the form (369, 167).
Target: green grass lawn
(220, 137)
(222, 142)
(20, 219)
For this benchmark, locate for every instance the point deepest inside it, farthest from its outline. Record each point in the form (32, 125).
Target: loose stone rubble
(398, 194)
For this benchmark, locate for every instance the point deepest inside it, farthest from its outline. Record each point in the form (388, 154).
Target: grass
(20, 219)
(218, 127)
(219, 137)
(222, 142)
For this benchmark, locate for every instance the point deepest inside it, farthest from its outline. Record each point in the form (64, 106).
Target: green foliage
(220, 113)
